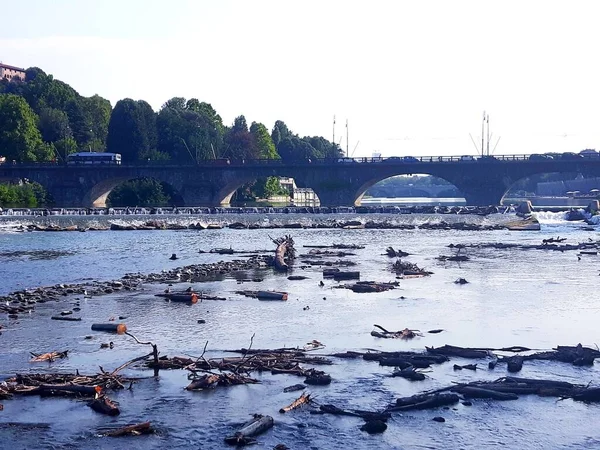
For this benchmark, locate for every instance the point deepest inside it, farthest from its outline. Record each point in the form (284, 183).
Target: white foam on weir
(548, 217)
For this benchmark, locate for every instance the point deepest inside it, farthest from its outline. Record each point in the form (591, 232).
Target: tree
(239, 142)
(264, 144)
(64, 147)
(280, 132)
(132, 131)
(54, 125)
(80, 123)
(20, 139)
(99, 110)
(295, 148)
(189, 131)
(139, 192)
(324, 148)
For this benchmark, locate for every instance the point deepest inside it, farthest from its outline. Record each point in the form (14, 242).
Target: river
(531, 298)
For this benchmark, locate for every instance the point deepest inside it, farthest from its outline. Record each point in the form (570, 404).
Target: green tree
(264, 144)
(20, 139)
(54, 125)
(64, 147)
(324, 148)
(280, 132)
(99, 110)
(80, 123)
(189, 131)
(295, 148)
(132, 131)
(239, 142)
(139, 192)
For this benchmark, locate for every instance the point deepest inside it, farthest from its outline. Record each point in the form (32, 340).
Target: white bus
(94, 158)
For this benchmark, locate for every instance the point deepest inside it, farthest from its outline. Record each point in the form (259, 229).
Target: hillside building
(11, 72)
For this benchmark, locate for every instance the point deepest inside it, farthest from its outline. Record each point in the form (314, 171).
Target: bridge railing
(228, 162)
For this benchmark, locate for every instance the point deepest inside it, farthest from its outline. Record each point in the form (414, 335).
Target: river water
(531, 298)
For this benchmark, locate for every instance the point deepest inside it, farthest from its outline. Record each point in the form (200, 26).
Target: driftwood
(180, 297)
(317, 377)
(245, 435)
(407, 269)
(424, 401)
(338, 246)
(304, 399)
(367, 415)
(369, 286)
(403, 334)
(212, 380)
(103, 405)
(295, 387)
(409, 372)
(129, 430)
(58, 384)
(466, 366)
(284, 252)
(395, 253)
(404, 359)
(320, 262)
(345, 275)
(592, 245)
(326, 253)
(51, 356)
(66, 318)
(118, 328)
(264, 295)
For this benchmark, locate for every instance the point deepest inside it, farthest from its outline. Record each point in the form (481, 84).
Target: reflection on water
(529, 298)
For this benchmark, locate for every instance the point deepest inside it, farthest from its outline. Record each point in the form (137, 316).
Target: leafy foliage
(140, 192)
(132, 131)
(27, 195)
(20, 139)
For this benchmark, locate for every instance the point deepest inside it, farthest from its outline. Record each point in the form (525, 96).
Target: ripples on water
(529, 298)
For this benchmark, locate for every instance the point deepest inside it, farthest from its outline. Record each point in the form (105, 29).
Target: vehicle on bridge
(408, 159)
(93, 158)
(540, 157)
(571, 155)
(467, 158)
(589, 153)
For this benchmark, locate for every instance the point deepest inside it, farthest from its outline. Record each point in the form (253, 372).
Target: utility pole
(333, 141)
(482, 133)
(347, 153)
(488, 134)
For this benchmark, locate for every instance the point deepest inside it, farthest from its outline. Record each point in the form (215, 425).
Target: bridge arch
(409, 189)
(98, 194)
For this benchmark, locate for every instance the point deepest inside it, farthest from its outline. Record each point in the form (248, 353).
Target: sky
(410, 77)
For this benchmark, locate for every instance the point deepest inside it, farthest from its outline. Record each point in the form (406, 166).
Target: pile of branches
(57, 384)
(505, 388)
(276, 361)
(577, 355)
(409, 269)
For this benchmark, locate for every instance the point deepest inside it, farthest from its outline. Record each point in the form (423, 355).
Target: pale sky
(411, 77)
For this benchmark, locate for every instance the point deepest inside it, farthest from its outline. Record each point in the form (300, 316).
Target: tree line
(44, 119)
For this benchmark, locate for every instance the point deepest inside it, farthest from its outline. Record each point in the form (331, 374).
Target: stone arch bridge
(340, 182)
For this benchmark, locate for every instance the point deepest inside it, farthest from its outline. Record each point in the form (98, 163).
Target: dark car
(538, 157)
(570, 156)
